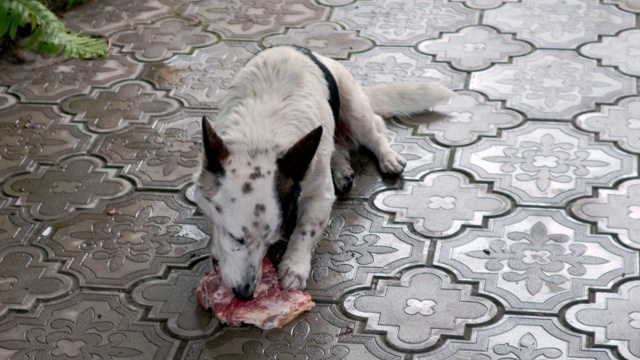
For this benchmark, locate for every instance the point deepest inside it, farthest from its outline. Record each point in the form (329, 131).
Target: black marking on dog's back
(334, 93)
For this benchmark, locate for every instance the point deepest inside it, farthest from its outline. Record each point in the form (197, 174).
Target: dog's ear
(215, 152)
(295, 162)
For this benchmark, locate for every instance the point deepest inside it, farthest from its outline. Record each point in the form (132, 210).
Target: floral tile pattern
(618, 123)
(559, 25)
(414, 311)
(73, 77)
(464, 118)
(626, 42)
(474, 48)
(51, 192)
(512, 232)
(552, 84)
(404, 22)
(326, 38)
(129, 240)
(163, 155)
(163, 39)
(85, 325)
(546, 163)
(613, 318)
(200, 78)
(615, 211)
(537, 259)
(36, 133)
(449, 202)
(250, 19)
(116, 108)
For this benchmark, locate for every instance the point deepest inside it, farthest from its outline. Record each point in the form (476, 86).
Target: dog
(279, 148)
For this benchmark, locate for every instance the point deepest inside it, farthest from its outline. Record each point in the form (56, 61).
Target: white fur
(275, 100)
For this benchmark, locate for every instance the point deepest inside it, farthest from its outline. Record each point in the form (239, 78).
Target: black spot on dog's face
(247, 188)
(218, 208)
(313, 233)
(256, 174)
(259, 209)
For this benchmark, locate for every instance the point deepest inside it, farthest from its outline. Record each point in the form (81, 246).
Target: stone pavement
(514, 233)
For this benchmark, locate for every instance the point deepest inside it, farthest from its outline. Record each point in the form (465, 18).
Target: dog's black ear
(295, 162)
(215, 152)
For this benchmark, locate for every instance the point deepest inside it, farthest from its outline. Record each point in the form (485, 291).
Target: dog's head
(248, 196)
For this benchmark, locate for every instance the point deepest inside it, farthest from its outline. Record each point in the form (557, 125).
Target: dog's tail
(405, 98)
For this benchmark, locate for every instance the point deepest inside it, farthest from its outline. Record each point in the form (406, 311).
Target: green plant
(47, 35)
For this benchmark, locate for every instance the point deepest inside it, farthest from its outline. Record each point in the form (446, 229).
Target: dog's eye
(239, 240)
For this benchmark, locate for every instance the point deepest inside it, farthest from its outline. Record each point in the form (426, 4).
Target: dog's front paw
(343, 179)
(392, 163)
(294, 273)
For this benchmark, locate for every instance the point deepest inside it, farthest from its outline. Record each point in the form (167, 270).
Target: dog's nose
(244, 292)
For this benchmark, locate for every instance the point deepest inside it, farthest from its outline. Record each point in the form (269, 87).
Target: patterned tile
(6, 101)
(415, 311)
(388, 64)
(30, 133)
(536, 259)
(165, 155)
(614, 319)
(86, 325)
(520, 337)
(173, 300)
(629, 5)
(120, 243)
(199, 79)
(163, 39)
(318, 334)
(368, 178)
(250, 19)
(615, 211)
(105, 16)
(404, 22)
(474, 48)
(552, 84)
(559, 24)
(619, 123)
(546, 163)
(464, 118)
(354, 247)
(447, 203)
(484, 4)
(328, 39)
(52, 83)
(27, 277)
(51, 192)
(126, 103)
(15, 228)
(622, 51)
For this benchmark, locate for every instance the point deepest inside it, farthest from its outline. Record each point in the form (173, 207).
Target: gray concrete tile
(200, 78)
(474, 48)
(6, 100)
(120, 243)
(537, 260)
(484, 4)
(619, 123)
(628, 5)
(251, 19)
(404, 23)
(542, 163)
(326, 38)
(559, 24)
(50, 84)
(613, 318)
(126, 103)
(621, 51)
(440, 204)
(552, 84)
(16, 228)
(163, 39)
(85, 325)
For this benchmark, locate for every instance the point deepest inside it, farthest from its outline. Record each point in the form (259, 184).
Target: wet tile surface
(514, 231)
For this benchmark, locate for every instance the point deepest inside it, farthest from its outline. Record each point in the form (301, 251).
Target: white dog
(289, 118)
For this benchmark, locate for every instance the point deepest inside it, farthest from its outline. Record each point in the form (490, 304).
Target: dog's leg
(314, 209)
(343, 174)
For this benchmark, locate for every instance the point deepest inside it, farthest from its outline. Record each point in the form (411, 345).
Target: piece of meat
(270, 308)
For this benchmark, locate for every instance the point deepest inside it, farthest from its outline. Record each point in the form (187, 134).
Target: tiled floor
(514, 233)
